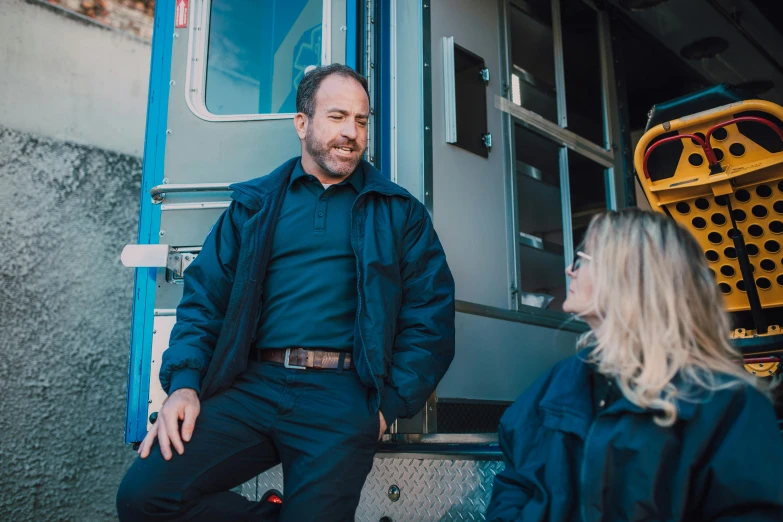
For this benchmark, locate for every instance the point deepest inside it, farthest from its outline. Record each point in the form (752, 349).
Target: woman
(655, 419)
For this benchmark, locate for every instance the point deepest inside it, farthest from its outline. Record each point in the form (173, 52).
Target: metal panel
(469, 190)
(512, 208)
(616, 196)
(408, 126)
(160, 341)
(496, 360)
(427, 104)
(430, 489)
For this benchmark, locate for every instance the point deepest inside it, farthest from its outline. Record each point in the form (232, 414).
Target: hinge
(176, 265)
(484, 74)
(487, 140)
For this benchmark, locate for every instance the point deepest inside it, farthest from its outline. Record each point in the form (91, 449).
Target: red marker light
(274, 499)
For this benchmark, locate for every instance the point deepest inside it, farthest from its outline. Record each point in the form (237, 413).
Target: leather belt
(302, 358)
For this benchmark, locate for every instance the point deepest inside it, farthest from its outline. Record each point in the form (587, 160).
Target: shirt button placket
(320, 213)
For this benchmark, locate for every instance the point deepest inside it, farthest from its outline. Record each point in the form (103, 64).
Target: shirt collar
(356, 179)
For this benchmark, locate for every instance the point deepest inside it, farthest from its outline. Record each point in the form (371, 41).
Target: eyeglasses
(578, 257)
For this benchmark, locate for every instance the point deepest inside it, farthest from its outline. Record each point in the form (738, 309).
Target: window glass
(542, 264)
(588, 193)
(533, 58)
(257, 54)
(582, 66)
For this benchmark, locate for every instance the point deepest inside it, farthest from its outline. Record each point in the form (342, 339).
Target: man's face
(335, 137)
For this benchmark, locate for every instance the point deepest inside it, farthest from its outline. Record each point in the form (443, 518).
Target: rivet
(176, 35)
(426, 65)
(172, 83)
(168, 132)
(162, 233)
(343, 28)
(426, 128)
(394, 493)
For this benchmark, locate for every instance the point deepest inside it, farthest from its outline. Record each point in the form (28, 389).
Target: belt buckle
(288, 358)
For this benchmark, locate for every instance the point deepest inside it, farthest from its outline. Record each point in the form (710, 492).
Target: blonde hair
(658, 311)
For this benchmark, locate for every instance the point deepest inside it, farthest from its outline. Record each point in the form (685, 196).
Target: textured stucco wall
(66, 211)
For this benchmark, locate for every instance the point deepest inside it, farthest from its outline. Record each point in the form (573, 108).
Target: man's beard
(320, 152)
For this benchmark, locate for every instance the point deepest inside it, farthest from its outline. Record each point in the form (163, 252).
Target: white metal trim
(195, 206)
(196, 71)
(449, 89)
(556, 133)
(326, 32)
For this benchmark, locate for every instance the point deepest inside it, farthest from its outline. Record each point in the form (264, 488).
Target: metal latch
(486, 139)
(174, 260)
(484, 74)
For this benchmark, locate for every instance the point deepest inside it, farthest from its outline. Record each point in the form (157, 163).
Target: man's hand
(383, 426)
(182, 405)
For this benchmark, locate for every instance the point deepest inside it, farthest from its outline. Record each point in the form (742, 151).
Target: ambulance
(514, 122)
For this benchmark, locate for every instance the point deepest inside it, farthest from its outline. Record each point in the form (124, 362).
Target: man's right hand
(182, 405)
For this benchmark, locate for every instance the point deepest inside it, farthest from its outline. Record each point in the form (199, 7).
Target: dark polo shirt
(310, 296)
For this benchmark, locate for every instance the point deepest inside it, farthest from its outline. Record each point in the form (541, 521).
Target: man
(319, 310)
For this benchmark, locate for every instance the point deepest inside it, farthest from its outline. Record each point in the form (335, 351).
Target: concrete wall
(72, 112)
(68, 78)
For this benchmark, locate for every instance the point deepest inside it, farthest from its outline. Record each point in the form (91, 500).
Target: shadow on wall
(66, 211)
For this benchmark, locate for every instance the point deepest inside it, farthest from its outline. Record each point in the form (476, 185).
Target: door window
(257, 54)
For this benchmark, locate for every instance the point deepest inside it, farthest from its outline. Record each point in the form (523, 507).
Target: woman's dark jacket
(721, 461)
(404, 332)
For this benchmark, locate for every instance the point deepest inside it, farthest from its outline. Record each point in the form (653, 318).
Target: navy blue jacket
(721, 461)
(404, 332)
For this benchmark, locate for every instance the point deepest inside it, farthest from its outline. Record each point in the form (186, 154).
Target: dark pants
(318, 423)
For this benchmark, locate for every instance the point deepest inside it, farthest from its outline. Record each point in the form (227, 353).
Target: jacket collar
(253, 193)
(567, 402)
